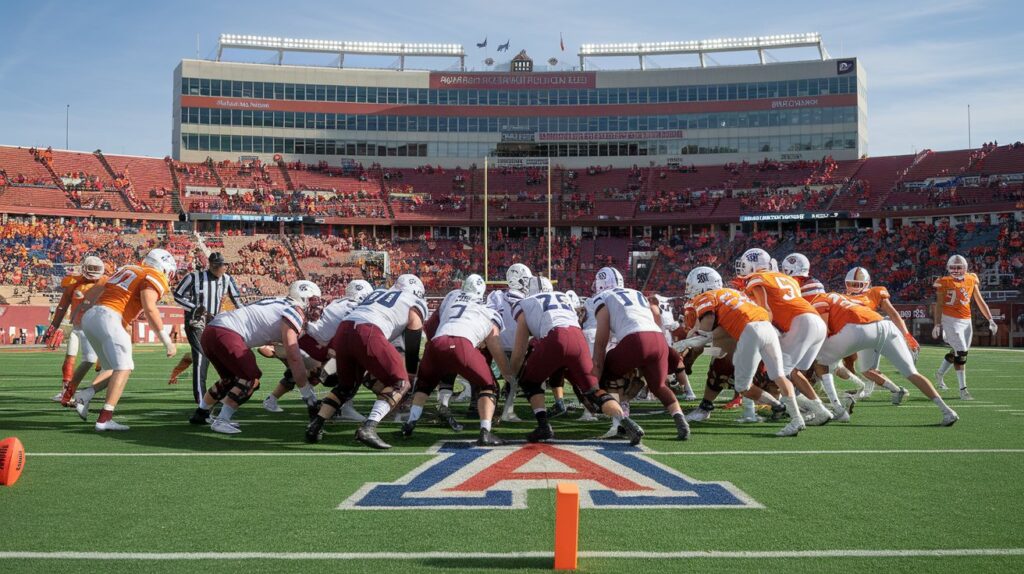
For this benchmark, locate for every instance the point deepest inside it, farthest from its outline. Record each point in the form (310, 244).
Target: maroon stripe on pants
(229, 354)
(446, 355)
(364, 348)
(563, 348)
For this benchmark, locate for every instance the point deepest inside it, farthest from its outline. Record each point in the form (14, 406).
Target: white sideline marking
(740, 554)
(653, 453)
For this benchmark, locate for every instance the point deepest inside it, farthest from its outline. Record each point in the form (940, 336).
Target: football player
(952, 315)
(228, 342)
(517, 277)
(315, 344)
(465, 325)
(74, 285)
(756, 340)
(558, 346)
(669, 325)
(858, 288)
(626, 314)
(130, 291)
(362, 344)
(803, 331)
(854, 327)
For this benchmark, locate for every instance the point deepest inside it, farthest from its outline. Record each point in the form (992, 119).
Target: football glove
(912, 342)
(992, 327)
(48, 335)
(692, 343)
(937, 332)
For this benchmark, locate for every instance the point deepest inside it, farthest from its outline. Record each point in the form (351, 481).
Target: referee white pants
(882, 337)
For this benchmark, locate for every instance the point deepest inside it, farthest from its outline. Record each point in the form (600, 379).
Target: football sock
(559, 404)
(542, 416)
(415, 412)
(766, 399)
(106, 414)
(443, 396)
(829, 384)
(204, 405)
(793, 409)
(616, 421)
(890, 386)
(226, 413)
(88, 393)
(942, 405)
(860, 383)
(946, 365)
(68, 369)
(961, 377)
(308, 393)
(380, 408)
(749, 408)
(485, 424)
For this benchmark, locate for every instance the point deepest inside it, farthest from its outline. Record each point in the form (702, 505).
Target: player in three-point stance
(952, 314)
(517, 277)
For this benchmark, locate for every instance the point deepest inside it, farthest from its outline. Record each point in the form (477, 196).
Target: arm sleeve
(412, 350)
(184, 294)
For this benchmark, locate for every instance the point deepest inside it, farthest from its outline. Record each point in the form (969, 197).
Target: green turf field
(883, 493)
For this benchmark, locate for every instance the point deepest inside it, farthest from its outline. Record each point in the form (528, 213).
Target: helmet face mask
(92, 268)
(956, 266)
(161, 259)
(474, 285)
(858, 280)
(303, 292)
(517, 277)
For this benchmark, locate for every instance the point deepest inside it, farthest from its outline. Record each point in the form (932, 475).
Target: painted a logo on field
(610, 475)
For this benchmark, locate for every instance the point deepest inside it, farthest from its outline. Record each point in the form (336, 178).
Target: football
(12, 460)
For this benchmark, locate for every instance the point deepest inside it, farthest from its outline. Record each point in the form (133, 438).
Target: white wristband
(165, 339)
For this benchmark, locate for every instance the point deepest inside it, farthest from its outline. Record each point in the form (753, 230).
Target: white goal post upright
(515, 162)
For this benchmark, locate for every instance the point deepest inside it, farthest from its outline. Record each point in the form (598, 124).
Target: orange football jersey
(956, 295)
(872, 297)
(732, 309)
(784, 297)
(75, 287)
(123, 289)
(843, 310)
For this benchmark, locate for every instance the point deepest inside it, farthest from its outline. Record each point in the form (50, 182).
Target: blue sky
(113, 60)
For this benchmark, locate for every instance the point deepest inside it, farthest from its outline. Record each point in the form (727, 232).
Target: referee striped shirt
(201, 288)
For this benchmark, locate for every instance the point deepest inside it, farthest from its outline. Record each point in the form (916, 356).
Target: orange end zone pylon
(567, 525)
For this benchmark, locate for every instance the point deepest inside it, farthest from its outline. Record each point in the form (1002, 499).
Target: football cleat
(313, 409)
(778, 413)
(840, 414)
(849, 401)
(315, 431)
(56, 398)
(199, 417)
(748, 419)
(348, 412)
(939, 383)
(224, 427)
(587, 416)
(111, 425)
(819, 415)
(82, 408)
(557, 409)
(510, 417)
(734, 403)
(407, 428)
(698, 415)
(615, 431)
(949, 419)
(367, 434)
(270, 405)
(446, 415)
(682, 428)
(487, 438)
(690, 395)
(542, 433)
(635, 433)
(898, 396)
(965, 395)
(791, 429)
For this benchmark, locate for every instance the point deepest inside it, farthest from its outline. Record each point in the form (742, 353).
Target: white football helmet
(573, 298)
(607, 278)
(752, 261)
(161, 259)
(303, 293)
(796, 265)
(539, 284)
(664, 303)
(518, 277)
(702, 279)
(957, 266)
(474, 285)
(410, 284)
(358, 290)
(858, 280)
(92, 268)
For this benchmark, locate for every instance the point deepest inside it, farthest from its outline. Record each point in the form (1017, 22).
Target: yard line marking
(958, 405)
(717, 554)
(654, 453)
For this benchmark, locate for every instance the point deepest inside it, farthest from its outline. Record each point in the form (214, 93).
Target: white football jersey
(590, 325)
(388, 310)
(259, 323)
(464, 316)
(324, 328)
(546, 311)
(628, 312)
(668, 323)
(504, 303)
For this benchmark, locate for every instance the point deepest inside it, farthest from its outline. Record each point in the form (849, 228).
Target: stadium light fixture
(339, 47)
(701, 47)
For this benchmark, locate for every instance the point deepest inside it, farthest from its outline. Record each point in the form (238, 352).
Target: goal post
(520, 163)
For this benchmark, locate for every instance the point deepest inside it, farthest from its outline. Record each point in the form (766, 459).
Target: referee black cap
(216, 259)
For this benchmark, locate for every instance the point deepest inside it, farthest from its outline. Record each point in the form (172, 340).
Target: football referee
(201, 294)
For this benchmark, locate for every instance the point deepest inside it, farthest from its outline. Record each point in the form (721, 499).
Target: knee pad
(706, 405)
(220, 389)
(344, 394)
(960, 358)
(530, 389)
(950, 357)
(599, 397)
(242, 391)
(489, 395)
(714, 384)
(331, 402)
(614, 385)
(287, 381)
(393, 395)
